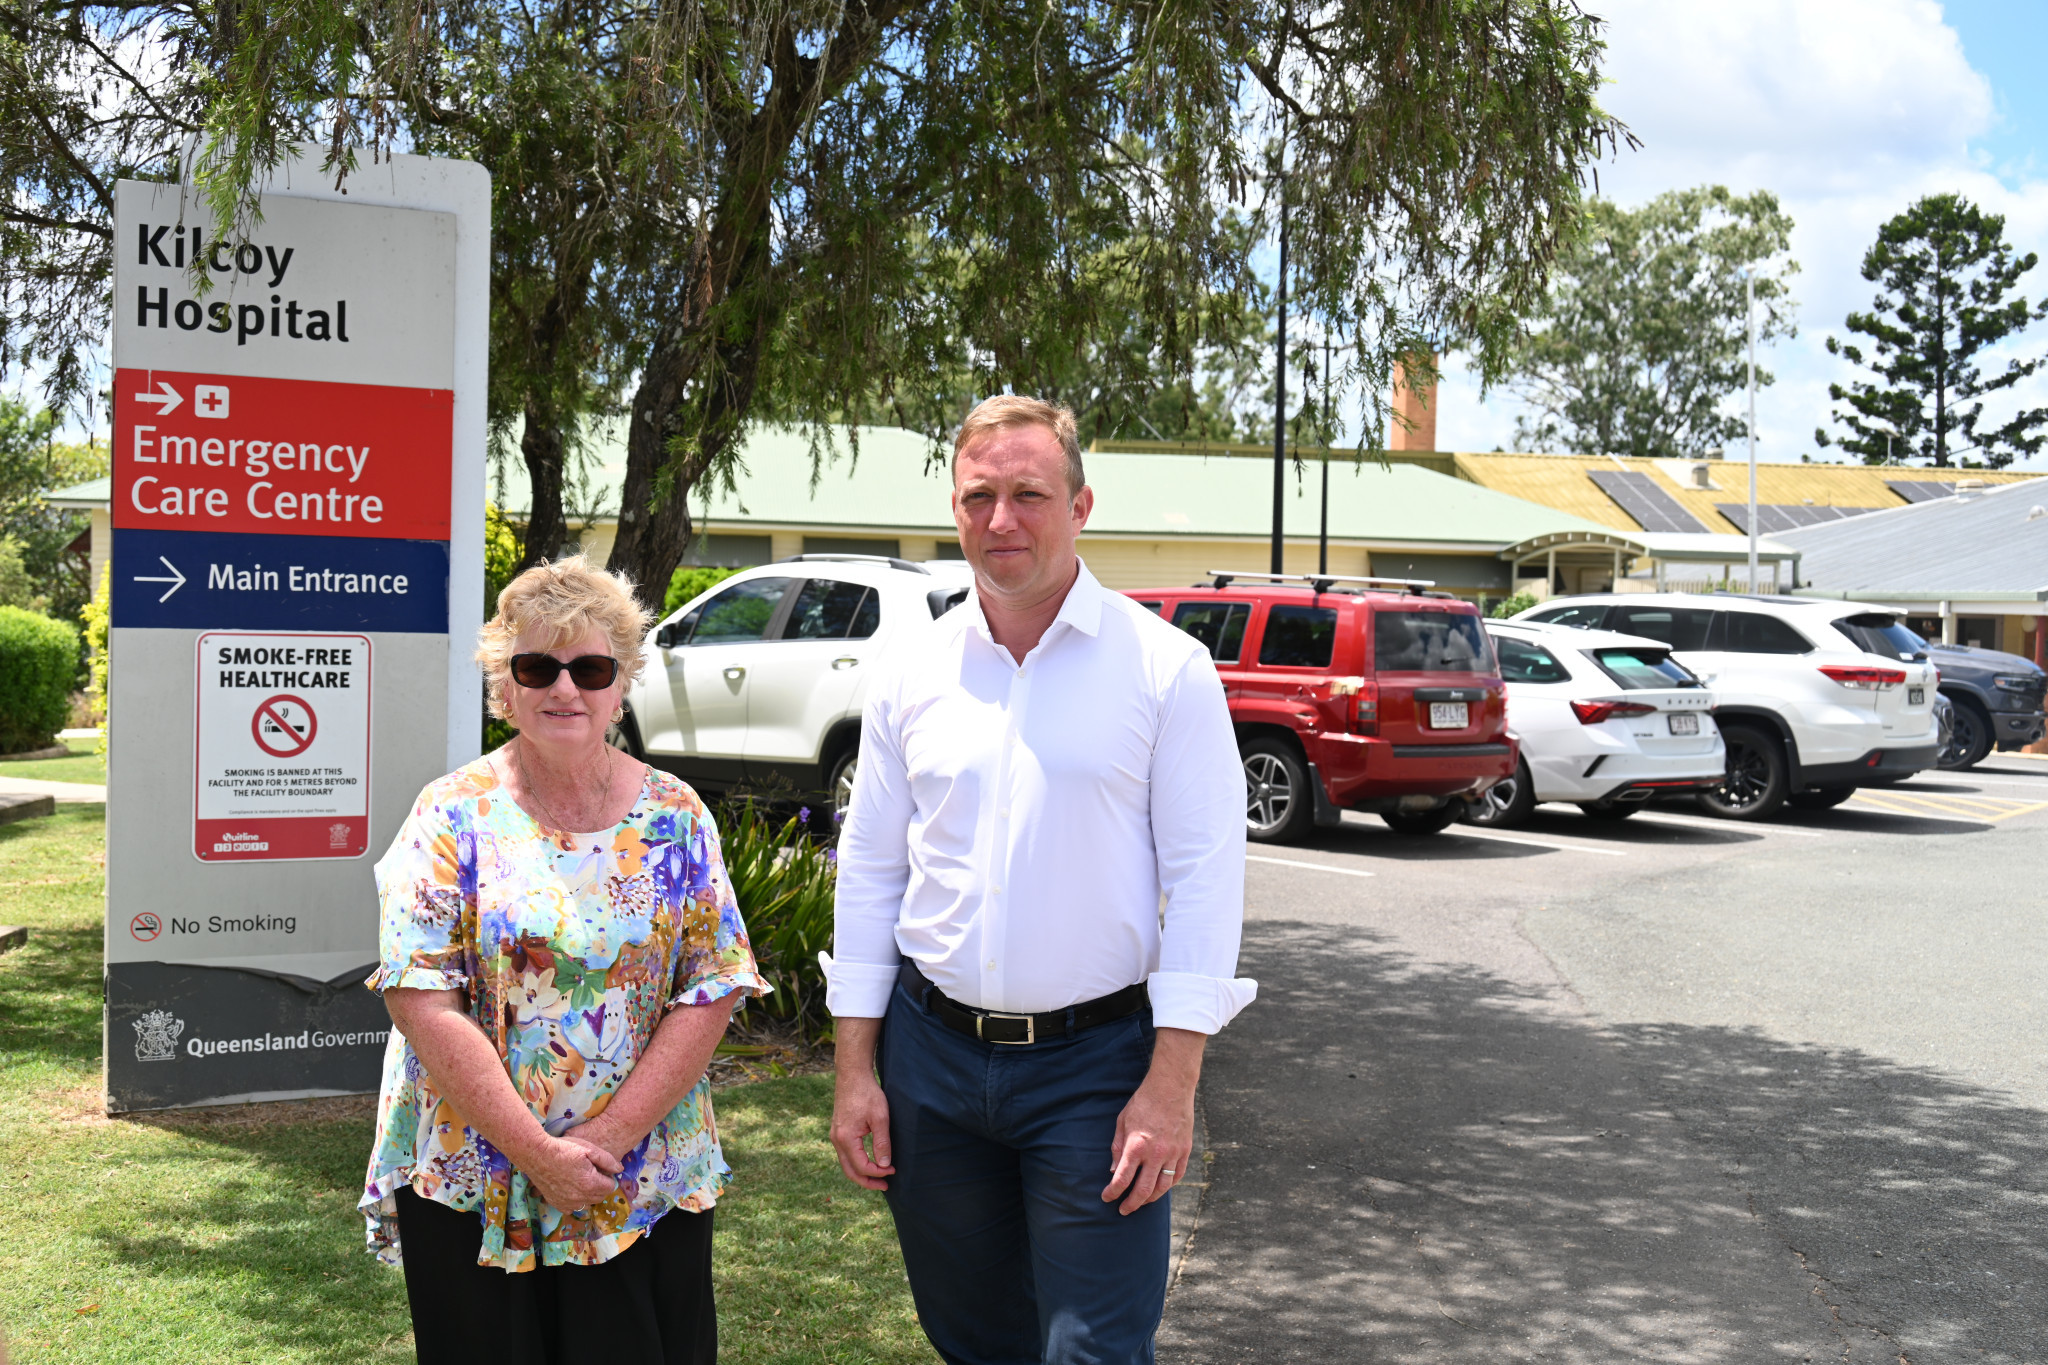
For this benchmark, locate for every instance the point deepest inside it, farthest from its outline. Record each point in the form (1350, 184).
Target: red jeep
(1365, 694)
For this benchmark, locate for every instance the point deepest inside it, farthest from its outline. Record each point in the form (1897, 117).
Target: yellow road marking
(1988, 810)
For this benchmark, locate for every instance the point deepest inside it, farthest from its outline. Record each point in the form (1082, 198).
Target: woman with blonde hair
(560, 953)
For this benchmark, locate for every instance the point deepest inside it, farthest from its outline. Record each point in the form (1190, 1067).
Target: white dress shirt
(1020, 831)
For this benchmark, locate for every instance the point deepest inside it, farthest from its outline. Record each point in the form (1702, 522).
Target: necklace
(555, 821)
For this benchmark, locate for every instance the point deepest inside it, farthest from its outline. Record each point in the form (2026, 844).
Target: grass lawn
(83, 765)
(214, 1236)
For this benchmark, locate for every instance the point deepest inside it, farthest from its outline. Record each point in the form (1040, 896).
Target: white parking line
(1469, 833)
(1730, 826)
(1313, 867)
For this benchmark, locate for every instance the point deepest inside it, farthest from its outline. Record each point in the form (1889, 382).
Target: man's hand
(860, 1111)
(1155, 1134)
(571, 1173)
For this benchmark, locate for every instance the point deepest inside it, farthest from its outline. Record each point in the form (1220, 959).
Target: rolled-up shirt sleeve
(874, 868)
(1197, 793)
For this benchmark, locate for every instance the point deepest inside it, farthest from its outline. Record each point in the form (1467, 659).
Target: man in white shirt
(1041, 891)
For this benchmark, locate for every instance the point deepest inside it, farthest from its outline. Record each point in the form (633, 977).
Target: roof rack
(890, 560)
(1319, 581)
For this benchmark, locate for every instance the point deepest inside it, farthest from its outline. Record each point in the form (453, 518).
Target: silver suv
(1808, 710)
(759, 682)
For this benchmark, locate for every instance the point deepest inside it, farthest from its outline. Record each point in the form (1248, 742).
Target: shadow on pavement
(1417, 1163)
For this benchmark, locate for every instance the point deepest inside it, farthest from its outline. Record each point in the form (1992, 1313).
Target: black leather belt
(992, 1026)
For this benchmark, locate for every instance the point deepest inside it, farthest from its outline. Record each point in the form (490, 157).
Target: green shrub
(97, 613)
(39, 660)
(1520, 602)
(688, 582)
(784, 882)
(503, 546)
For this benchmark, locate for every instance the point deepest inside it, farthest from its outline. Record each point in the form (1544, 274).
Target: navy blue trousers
(1001, 1154)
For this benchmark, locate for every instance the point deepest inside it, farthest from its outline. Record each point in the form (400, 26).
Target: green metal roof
(91, 493)
(900, 482)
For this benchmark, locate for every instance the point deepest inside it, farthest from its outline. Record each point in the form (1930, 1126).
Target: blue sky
(1848, 110)
(2005, 40)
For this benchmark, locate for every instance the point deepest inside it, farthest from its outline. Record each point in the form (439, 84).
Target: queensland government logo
(337, 835)
(156, 1036)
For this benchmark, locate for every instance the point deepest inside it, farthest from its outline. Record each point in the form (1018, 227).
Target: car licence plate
(1449, 715)
(1685, 725)
(1915, 696)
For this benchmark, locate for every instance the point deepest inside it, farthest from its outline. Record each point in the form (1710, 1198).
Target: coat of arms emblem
(156, 1036)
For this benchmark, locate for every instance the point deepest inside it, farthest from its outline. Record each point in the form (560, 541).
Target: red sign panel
(198, 452)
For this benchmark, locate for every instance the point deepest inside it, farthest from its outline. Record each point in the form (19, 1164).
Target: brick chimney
(1418, 406)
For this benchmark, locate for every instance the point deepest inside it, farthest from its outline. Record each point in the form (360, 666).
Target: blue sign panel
(202, 580)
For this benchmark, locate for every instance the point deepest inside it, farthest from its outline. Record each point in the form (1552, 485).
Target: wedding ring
(1167, 1170)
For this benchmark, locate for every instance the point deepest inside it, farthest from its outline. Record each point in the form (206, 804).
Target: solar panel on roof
(1784, 516)
(1640, 497)
(1921, 490)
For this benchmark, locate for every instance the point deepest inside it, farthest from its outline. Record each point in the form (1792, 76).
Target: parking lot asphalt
(1668, 1089)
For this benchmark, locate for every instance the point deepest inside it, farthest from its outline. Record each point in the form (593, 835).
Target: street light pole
(1280, 383)
(1323, 532)
(1749, 301)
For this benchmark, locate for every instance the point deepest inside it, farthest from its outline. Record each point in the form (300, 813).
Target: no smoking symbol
(284, 726)
(145, 926)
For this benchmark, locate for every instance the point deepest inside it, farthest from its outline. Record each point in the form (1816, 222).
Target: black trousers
(650, 1305)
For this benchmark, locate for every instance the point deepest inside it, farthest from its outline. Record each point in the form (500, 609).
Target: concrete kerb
(53, 751)
(25, 806)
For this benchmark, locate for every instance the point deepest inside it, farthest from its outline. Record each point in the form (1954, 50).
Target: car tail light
(1361, 703)
(1865, 679)
(1593, 712)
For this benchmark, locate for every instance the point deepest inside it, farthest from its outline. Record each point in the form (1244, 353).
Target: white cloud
(1848, 110)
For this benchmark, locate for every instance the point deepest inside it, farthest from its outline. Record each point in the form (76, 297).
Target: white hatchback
(759, 682)
(1604, 720)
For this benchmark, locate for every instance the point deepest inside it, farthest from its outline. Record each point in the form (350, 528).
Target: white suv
(759, 682)
(1808, 713)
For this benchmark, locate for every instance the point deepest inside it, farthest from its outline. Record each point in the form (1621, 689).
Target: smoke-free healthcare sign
(297, 508)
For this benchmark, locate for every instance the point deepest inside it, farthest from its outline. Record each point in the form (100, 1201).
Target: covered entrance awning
(1653, 554)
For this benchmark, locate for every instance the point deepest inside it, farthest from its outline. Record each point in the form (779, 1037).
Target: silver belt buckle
(1030, 1030)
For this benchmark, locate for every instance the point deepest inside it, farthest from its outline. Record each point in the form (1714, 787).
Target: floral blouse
(570, 947)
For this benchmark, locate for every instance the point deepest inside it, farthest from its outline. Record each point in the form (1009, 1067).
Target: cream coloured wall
(597, 541)
(102, 544)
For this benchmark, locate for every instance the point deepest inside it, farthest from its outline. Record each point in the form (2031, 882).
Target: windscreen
(1639, 669)
(1429, 642)
(1878, 633)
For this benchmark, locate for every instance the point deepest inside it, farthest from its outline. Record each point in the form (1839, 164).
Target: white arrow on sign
(176, 580)
(170, 398)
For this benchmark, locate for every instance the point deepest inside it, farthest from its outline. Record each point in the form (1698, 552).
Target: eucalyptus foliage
(1944, 270)
(1643, 339)
(712, 213)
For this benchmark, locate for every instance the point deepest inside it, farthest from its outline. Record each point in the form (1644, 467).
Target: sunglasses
(590, 672)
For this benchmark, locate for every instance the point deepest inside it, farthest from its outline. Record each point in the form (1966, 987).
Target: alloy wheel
(842, 786)
(1268, 792)
(1749, 774)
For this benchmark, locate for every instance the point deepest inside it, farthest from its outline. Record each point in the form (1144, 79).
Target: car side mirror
(671, 635)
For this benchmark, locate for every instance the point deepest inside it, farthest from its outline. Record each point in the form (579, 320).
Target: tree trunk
(542, 445)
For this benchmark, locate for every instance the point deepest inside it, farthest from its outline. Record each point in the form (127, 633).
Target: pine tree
(1944, 270)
